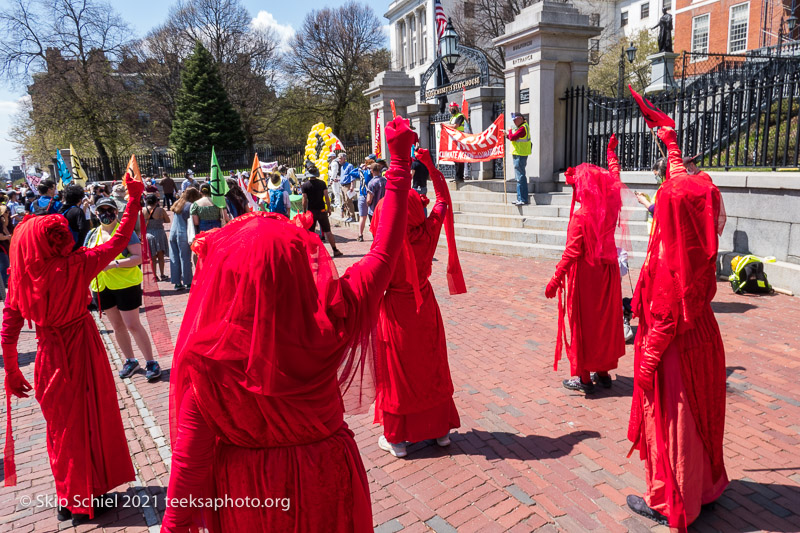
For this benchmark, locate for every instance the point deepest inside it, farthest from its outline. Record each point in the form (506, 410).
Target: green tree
(604, 75)
(204, 117)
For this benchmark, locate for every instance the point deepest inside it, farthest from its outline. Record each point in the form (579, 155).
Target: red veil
(265, 295)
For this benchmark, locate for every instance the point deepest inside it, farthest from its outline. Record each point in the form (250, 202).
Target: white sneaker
(628, 331)
(398, 450)
(443, 441)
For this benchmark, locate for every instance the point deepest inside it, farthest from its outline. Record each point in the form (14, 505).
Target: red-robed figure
(270, 340)
(678, 413)
(414, 391)
(49, 286)
(589, 265)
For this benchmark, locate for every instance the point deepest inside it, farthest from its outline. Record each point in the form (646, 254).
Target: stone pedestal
(662, 72)
(387, 86)
(547, 50)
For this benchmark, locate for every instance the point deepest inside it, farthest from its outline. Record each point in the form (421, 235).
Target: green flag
(219, 187)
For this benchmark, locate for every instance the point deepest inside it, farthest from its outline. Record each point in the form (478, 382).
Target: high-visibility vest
(522, 146)
(116, 278)
(454, 119)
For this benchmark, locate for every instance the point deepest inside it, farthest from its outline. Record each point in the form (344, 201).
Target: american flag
(441, 19)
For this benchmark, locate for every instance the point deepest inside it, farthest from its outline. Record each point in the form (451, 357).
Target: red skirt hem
(415, 427)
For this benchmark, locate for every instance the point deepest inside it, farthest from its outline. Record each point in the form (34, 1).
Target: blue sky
(142, 15)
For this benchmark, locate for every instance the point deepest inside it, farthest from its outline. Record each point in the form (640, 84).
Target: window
(469, 10)
(700, 35)
(594, 19)
(645, 10)
(737, 28)
(623, 19)
(667, 4)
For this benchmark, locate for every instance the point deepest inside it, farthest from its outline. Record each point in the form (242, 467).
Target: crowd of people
(255, 413)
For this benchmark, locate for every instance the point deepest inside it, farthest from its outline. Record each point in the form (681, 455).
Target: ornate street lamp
(630, 52)
(449, 42)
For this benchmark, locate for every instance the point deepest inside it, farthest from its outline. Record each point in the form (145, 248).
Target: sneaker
(164, 278)
(577, 385)
(640, 507)
(360, 238)
(349, 219)
(605, 381)
(398, 450)
(626, 325)
(79, 518)
(179, 287)
(152, 371)
(443, 441)
(337, 252)
(130, 366)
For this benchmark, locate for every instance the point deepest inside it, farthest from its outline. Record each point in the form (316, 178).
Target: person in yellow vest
(520, 150)
(458, 121)
(119, 292)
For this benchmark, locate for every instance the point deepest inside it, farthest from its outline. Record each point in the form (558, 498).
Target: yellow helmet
(734, 262)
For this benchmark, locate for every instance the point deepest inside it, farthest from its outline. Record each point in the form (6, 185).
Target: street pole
(621, 82)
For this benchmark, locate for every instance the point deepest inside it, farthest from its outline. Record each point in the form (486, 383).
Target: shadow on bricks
(732, 307)
(756, 506)
(494, 445)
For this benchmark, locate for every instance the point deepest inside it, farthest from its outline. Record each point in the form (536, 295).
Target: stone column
(547, 50)
(387, 86)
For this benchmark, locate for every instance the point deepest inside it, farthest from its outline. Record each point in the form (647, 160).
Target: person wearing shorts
(315, 199)
(119, 292)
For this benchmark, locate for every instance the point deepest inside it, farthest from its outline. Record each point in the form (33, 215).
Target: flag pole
(660, 148)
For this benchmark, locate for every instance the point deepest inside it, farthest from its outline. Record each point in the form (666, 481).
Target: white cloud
(265, 20)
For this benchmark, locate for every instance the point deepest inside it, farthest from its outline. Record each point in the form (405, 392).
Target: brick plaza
(529, 456)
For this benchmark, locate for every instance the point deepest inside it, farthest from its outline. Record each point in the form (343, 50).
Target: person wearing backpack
(74, 210)
(278, 195)
(46, 204)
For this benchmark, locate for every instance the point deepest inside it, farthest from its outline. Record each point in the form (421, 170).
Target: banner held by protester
(463, 147)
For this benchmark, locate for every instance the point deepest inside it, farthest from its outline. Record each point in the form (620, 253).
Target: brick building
(730, 26)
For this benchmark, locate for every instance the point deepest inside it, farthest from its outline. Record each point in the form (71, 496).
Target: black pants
(169, 199)
(459, 171)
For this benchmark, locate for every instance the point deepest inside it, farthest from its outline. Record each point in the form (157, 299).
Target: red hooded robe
(74, 386)
(415, 395)
(677, 417)
(589, 264)
(270, 337)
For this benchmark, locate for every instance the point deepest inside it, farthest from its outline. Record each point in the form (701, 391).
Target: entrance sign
(463, 147)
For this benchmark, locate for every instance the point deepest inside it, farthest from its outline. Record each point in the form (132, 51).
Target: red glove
(16, 383)
(645, 380)
(134, 186)
(569, 175)
(400, 139)
(612, 143)
(424, 157)
(668, 135)
(552, 287)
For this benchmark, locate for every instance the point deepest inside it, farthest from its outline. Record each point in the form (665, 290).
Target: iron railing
(734, 121)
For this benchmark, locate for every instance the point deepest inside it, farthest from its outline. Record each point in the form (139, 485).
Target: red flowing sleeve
(96, 259)
(370, 277)
(675, 166)
(12, 325)
(192, 461)
(574, 248)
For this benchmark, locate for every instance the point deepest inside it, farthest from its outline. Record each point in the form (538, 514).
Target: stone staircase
(486, 223)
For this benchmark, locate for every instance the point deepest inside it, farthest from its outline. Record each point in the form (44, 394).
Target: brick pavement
(530, 456)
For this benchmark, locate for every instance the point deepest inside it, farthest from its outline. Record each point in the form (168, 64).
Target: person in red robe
(414, 391)
(256, 405)
(589, 265)
(49, 286)
(677, 417)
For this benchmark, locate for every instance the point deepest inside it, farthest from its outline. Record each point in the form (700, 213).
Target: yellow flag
(78, 174)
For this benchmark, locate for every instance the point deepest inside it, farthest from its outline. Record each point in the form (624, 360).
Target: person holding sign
(87, 446)
(520, 150)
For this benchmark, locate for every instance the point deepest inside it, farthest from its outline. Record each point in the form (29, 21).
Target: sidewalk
(529, 456)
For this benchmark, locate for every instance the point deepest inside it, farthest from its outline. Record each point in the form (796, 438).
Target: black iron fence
(751, 121)
(175, 165)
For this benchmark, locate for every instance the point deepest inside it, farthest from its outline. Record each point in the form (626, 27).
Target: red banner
(378, 134)
(461, 147)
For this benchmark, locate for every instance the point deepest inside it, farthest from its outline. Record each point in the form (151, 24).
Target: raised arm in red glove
(16, 384)
(611, 155)
(675, 166)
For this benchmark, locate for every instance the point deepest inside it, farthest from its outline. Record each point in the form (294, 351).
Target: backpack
(48, 209)
(276, 204)
(749, 276)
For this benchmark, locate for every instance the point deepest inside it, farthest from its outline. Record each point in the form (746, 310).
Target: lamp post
(630, 52)
(449, 46)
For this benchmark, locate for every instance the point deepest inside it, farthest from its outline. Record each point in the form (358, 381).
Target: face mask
(106, 217)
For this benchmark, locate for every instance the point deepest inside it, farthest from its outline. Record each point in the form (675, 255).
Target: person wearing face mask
(119, 292)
